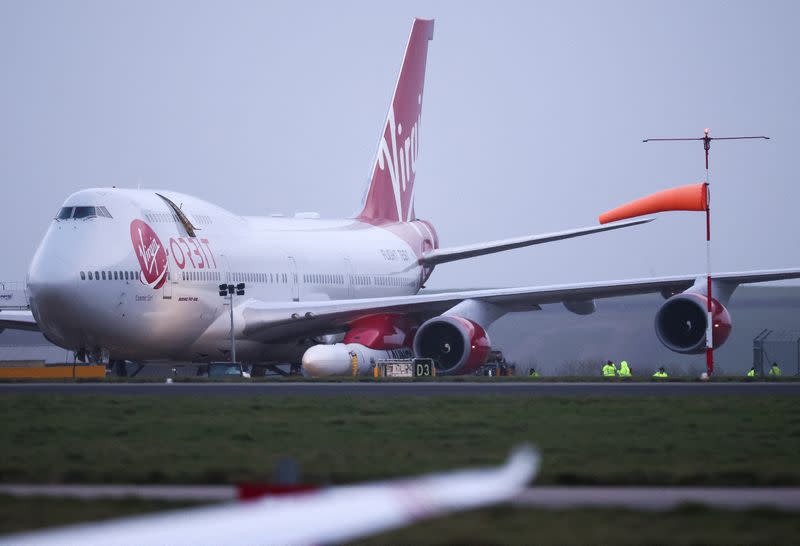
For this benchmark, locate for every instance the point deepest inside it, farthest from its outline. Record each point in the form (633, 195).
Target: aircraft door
(348, 278)
(166, 289)
(293, 280)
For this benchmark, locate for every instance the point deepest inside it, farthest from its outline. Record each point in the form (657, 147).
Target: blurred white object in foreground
(322, 516)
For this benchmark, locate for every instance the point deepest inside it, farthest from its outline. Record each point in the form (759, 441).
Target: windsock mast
(706, 138)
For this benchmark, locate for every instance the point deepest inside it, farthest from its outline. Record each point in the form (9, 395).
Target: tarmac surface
(558, 497)
(310, 388)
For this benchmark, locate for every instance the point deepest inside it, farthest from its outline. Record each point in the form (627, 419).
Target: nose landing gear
(117, 368)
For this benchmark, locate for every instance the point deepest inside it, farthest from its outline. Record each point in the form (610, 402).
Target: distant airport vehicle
(325, 516)
(226, 369)
(131, 274)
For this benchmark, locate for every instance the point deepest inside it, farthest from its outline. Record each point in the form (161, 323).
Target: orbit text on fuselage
(192, 252)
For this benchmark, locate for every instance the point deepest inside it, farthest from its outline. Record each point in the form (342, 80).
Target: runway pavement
(310, 388)
(554, 497)
(660, 498)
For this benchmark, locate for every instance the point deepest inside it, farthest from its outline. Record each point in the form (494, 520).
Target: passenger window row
(323, 278)
(169, 217)
(264, 278)
(360, 280)
(111, 275)
(202, 219)
(390, 280)
(161, 217)
(201, 276)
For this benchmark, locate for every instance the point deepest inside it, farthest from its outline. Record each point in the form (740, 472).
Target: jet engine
(458, 345)
(681, 323)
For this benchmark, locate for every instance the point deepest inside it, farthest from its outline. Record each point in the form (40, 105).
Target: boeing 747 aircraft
(134, 274)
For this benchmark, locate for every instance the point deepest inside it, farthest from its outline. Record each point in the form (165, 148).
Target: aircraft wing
(332, 515)
(443, 255)
(18, 320)
(266, 321)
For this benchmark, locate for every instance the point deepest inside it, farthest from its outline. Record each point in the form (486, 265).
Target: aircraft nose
(51, 284)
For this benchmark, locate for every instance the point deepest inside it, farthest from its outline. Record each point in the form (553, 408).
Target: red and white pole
(710, 317)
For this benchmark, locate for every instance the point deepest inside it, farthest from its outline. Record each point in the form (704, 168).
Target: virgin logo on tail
(151, 254)
(403, 165)
(390, 196)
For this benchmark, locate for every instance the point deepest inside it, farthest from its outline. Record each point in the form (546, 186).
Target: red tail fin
(390, 196)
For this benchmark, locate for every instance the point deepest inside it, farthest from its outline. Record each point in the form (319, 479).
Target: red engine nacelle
(457, 345)
(383, 332)
(681, 323)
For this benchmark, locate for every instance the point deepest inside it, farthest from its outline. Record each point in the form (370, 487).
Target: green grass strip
(676, 440)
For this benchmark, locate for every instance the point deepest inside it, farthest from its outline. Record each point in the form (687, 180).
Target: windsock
(689, 197)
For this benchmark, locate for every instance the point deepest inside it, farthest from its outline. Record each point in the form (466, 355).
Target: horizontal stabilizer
(443, 255)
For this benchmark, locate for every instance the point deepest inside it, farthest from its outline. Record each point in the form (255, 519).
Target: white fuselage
(128, 315)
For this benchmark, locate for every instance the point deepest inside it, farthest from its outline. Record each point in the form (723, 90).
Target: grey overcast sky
(532, 121)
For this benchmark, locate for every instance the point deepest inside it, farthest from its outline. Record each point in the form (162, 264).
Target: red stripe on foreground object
(690, 197)
(248, 491)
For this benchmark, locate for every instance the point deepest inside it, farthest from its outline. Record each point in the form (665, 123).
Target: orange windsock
(690, 197)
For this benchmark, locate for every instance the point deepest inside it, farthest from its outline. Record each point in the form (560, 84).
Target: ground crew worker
(752, 372)
(353, 363)
(624, 369)
(775, 370)
(533, 373)
(609, 370)
(661, 373)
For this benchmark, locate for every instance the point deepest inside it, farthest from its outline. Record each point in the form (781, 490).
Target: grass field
(720, 440)
(686, 525)
(23, 514)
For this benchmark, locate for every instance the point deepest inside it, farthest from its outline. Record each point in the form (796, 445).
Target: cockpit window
(65, 213)
(85, 212)
(77, 213)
